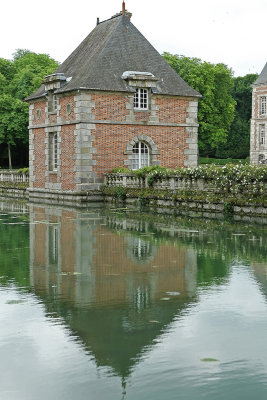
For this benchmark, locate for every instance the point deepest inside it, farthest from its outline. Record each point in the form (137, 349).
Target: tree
(216, 108)
(18, 79)
(13, 122)
(29, 71)
(237, 145)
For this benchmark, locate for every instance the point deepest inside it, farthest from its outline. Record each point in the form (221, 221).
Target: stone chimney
(123, 12)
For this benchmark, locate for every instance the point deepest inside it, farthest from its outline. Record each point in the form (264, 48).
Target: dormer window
(52, 103)
(141, 99)
(142, 84)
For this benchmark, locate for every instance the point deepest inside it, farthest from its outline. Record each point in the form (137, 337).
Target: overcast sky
(228, 31)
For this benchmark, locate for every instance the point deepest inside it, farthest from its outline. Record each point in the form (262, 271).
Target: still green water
(117, 305)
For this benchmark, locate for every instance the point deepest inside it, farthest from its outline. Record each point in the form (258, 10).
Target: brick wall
(110, 106)
(67, 106)
(115, 261)
(67, 157)
(172, 109)
(39, 158)
(39, 116)
(111, 141)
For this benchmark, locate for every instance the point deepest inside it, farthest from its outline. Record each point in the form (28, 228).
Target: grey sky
(228, 31)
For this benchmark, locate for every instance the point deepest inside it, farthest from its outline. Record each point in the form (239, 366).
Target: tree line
(19, 77)
(224, 109)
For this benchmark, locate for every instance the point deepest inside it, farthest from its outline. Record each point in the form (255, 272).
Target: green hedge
(221, 161)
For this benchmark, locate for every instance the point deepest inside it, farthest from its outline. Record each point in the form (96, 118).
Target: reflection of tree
(14, 248)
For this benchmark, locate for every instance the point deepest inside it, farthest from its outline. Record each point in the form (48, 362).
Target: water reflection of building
(109, 283)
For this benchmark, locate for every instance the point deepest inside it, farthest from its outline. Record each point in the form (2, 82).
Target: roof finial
(123, 7)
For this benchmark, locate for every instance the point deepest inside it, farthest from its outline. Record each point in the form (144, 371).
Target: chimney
(124, 12)
(97, 21)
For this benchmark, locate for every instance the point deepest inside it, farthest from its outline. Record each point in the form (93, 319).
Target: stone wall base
(202, 207)
(14, 193)
(81, 199)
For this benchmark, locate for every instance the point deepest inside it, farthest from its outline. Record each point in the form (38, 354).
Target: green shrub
(120, 192)
(24, 171)
(221, 161)
(120, 170)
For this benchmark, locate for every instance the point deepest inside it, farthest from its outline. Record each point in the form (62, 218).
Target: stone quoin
(258, 144)
(113, 102)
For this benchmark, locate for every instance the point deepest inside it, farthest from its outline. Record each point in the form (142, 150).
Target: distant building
(258, 147)
(114, 102)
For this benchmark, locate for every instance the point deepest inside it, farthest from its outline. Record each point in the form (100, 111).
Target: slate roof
(262, 77)
(113, 47)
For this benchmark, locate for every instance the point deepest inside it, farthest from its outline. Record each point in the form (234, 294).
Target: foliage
(29, 71)
(18, 79)
(119, 170)
(13, 119)
(216, 108)
(153, 170)
(221, 161)
(237, 144)
(120, 193)
(230, 178)
(23, 171)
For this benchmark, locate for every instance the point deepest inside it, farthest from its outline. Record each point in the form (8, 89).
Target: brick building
(113, 102)
(258, 146)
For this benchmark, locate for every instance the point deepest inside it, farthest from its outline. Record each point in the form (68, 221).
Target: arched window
(140, 157)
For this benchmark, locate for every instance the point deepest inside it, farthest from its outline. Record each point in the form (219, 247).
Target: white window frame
(262, 134)
(141, 99)
(138, 158)
(263, 105)
(53, 151)
(52, 103)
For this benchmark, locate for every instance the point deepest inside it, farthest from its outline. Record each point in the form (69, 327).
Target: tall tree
(237, 145)
(216, 108)
(13, 122)
(18, 79)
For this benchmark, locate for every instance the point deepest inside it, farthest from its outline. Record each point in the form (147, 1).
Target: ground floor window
(263, 104)
(53, 152)
(262, 134)
(140, 157)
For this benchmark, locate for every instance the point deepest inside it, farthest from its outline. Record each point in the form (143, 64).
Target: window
(52, 103)
(262, 135)
(141, 249)
(69, 108)
(53, 245)
(140, 157)
(38, 113)
(53, 152)
(141, 99)
(261, 159)
(262, 105)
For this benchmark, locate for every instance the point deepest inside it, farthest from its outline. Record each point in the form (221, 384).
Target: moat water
(114, 304)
